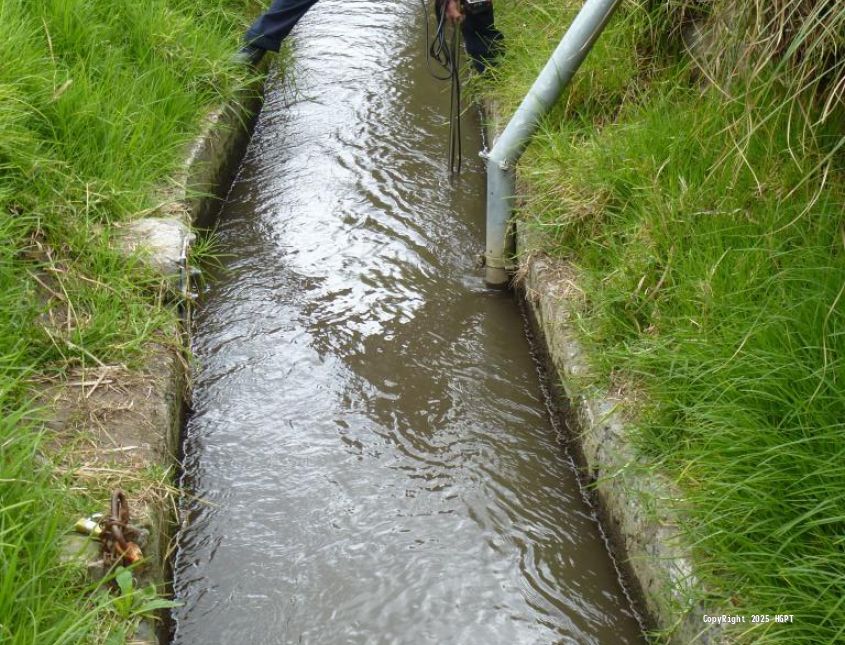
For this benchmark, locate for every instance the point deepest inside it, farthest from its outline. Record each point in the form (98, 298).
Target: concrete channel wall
(132, 418)
(636, 504)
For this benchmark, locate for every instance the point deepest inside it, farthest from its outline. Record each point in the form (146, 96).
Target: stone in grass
(145, 633)
(159, 241)
(82, 551)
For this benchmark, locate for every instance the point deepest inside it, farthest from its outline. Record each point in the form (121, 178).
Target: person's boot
(249, 55)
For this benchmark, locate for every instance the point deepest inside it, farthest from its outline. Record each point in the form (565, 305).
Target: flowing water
(370, 448)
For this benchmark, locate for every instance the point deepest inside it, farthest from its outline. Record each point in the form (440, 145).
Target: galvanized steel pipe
(510, 145)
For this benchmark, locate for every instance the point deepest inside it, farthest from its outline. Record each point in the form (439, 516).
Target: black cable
(437, 48)
(455, 148)
(447, 55)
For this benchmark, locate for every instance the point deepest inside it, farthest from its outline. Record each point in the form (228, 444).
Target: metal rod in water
(550, 84)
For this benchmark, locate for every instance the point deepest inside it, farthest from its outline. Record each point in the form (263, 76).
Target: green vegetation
(97, 100)
(697, 190)
(36, 606)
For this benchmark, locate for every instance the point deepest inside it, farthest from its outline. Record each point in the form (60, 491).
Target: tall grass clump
(98, 99)
(693, 177)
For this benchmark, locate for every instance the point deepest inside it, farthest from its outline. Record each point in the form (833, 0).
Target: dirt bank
(119, 426)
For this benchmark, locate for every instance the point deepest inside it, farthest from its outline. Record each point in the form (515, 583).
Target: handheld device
(475, 6)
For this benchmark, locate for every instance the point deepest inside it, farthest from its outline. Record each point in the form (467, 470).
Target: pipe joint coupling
(494, 260)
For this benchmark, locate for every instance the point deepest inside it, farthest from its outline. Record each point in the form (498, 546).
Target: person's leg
(271, 28)
(483, 41)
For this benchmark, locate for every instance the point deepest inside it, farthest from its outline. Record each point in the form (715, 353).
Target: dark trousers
(270, 29)
(483, 41)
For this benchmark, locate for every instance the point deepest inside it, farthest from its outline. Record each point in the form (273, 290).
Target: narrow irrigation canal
(370, 442)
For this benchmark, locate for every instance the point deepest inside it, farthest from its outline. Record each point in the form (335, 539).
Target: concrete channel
(371, 457)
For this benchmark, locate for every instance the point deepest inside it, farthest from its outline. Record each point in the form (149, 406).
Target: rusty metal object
(117, 533)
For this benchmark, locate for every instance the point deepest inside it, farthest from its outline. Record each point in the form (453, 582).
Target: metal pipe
(501, 160)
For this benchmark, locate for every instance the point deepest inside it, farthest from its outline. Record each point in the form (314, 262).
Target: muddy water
(370, 440)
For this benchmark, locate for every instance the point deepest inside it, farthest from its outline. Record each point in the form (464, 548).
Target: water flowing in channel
(370, 453)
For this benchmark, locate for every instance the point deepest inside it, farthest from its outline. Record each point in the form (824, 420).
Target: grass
(28, 538)
(97, 101)
(701, 203)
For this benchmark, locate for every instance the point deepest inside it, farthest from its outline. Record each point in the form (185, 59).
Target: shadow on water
(369, 449)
